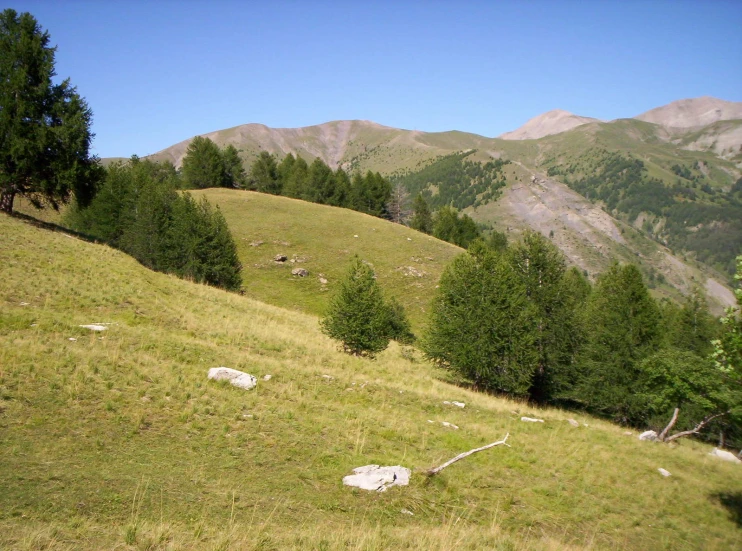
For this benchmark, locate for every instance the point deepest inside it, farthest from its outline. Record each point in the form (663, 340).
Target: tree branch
(697, 428)
(435, 471)
(670, 425)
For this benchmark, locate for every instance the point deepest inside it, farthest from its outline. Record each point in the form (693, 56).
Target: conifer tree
(358, 316)
(341, 189)
(541, 268)
(234, 170)
(294, 180)
(203, 165)
(481, 324)
(623, 329)
(319, 186)
(264, 175)
(44, 127)
(422, 219)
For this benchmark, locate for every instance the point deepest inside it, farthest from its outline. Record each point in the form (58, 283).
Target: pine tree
(541, 268)
(203, 165)
(295, 181)
(623, 329)
(481, 324)
(358, 316)
(341, 189)
(264, 175)
(44, 127)
(319, 186)
(233, 168)
(422, 219)
(285, 168)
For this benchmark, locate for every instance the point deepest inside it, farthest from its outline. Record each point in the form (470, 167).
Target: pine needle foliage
(360, 318)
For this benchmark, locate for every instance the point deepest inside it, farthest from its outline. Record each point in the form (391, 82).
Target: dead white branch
(502, 442)
(670, 425)
(697, 428)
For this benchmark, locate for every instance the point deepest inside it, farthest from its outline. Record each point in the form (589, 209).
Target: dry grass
(117, 441)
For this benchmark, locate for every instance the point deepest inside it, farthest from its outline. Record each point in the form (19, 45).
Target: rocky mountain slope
(693, 113)
(684, 194)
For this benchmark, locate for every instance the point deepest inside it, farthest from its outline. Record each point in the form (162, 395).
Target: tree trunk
(674, 419)
(6, 201)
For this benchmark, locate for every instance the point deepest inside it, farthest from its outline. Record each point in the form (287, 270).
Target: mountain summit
(693, 113)
(546, 124)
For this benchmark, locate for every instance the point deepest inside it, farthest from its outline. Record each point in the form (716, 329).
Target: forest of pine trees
(518, 321)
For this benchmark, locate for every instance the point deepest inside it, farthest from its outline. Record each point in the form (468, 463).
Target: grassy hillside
(116, 440)
(323, 239)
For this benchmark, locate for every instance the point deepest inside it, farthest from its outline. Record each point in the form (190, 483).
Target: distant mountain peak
(693, 112)
(555, 121)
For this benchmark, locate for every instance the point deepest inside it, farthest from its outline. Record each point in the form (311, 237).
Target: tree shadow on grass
(53, 227)
(732, 501)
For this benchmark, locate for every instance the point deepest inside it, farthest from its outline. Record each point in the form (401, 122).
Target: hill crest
(693, 112)
(552, 122)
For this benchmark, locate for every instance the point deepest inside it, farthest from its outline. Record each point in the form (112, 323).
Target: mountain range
(661, 189)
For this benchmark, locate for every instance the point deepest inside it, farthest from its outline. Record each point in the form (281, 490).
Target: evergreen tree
(341, 189)
(319, 186)
(358, 316)
(264, 175)
(398, 325)
(541, 269)
(295, 180)
(203, 165)
(623, 329)
(694, 328)
(233, 168)
(422, 219)
(497, 241)
(44, 127)
(285, 168)
(481, 324)
(449, 226)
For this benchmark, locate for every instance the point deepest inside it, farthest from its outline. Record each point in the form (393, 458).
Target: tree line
(515, 320)
(139, 210)
(518, 322)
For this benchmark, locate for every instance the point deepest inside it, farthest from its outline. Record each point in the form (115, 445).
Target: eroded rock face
(377, 479)
(237, 378)
(649, 436)
(725, 455)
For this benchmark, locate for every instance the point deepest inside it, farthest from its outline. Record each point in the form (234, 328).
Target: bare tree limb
(697, 428)
(435, 471)
(670, 425)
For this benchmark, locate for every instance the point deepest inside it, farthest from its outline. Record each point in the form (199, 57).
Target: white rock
(378, 479)
(573, 422)
(725, 455)
(429, 421)
(236, 378)
(94, 327)
(328, 377)
(663, 472)
(73, 339)
(409, 239)
(455, 403)
(24, 303)
(450, 425)
(649, 435)
(531, 420)
(355, 236)
(628, 433)
(267, 377)
(407, 512)
(446, 402)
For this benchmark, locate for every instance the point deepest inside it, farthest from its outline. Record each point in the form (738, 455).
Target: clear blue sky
(159, 72)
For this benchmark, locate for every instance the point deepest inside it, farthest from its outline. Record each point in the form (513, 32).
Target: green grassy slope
(116, 440)
(407, 263)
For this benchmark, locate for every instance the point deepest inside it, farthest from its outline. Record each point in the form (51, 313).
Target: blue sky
(158, 72)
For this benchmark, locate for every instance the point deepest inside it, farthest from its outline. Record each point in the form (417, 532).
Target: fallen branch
(670, 425)
(697, 428)
(435, 471)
